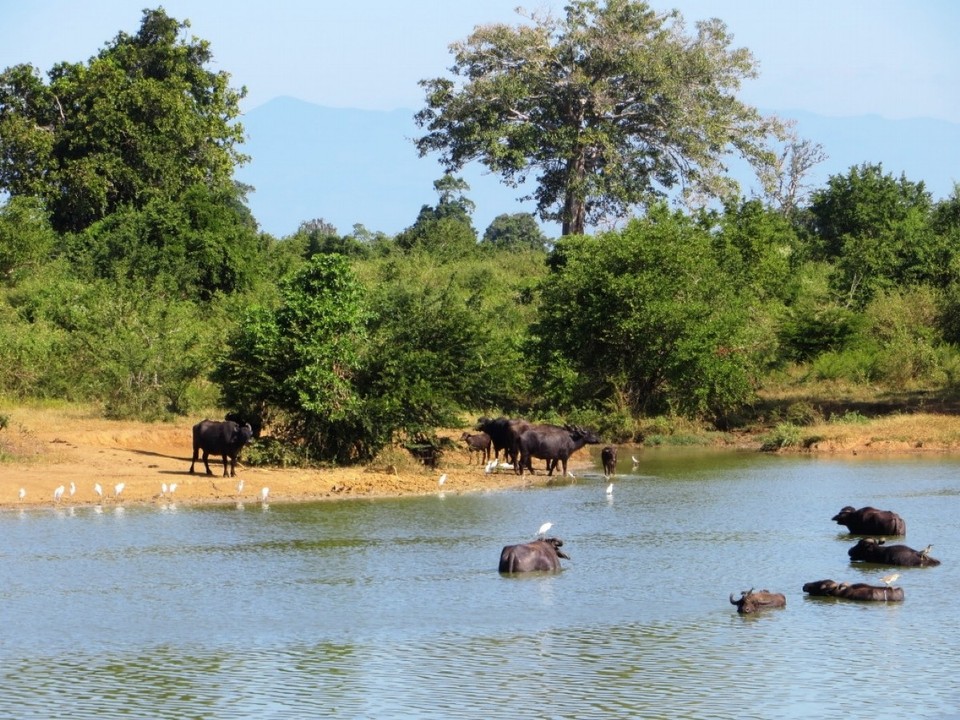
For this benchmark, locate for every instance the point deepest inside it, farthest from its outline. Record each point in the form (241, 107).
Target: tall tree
(142, 119)
(611, 106)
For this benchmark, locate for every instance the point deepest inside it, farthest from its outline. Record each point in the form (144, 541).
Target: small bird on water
(890, 579)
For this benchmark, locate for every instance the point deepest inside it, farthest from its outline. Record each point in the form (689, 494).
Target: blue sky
(894, 58)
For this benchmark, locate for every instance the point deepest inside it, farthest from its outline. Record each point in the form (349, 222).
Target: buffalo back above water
(870, 521)
(225, 438)
(855, 591)
(753, 601)
(539, 555)
(872, 550)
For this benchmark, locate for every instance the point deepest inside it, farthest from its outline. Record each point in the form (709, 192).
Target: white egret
(98, 490)
(610, 489)
(58, 493)
(163, 489)
(926, 550)
(505, 466)
(889, 579)
(73, 489)
(239, 486)
(263, 494)
(635, 461)
(22, 494)
(570, 474)
(442, 480)
(118, 488)
(544, 528)
(173, 488)
(490, 466)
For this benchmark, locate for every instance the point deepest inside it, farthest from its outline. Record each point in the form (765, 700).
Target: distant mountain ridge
(360, 166)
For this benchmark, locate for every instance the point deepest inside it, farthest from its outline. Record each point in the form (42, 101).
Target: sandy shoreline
(60, 447)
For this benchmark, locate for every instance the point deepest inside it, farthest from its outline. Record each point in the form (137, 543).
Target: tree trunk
(574, 205)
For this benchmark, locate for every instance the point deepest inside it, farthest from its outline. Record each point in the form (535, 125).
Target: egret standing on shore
(58, 493)
(99, 491)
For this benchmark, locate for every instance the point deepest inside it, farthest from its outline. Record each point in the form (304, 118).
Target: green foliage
(142, 120)
(297, 363)
(201, 244)
(518, 231)
(26, 240)
(783, 435)
(610, 105)
(446, 229)
(877, 230)
(646, 318)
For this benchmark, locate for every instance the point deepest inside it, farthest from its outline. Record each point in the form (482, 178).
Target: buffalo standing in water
(539, 555)
(872, 550)
(751, 602)
(856, 591)
(220, 438)
(870, 521)
(608, 456)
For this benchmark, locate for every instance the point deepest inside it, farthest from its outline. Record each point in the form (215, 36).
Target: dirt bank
(52, 447)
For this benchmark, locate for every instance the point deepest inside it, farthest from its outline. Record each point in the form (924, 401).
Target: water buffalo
(608, 456)
(539, 555)
(504, 435)
(856, 591)
(224, 438)
(553, 444)
(477, 443)
(872, 550)
(870, 521)
(751, 602)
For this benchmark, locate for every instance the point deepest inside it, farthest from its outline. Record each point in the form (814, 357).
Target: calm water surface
(394, 608)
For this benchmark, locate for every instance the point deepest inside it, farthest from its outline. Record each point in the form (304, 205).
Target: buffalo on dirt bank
(224, 438)
(554, 444)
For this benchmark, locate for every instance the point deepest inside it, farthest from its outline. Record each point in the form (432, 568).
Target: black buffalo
(553, 444)
(870, 521)
(856, 591)
(477, 443)
(504, 435)
(753, 601)
(608, 456)
(539, 555)
(872, 550)
(224, 438)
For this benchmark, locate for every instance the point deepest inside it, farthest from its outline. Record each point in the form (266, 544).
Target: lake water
(395, 609)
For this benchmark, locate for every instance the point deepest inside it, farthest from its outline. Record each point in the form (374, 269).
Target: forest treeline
(135, 277)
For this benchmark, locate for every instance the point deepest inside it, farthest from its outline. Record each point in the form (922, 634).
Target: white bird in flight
(544, 528)
(58, 493)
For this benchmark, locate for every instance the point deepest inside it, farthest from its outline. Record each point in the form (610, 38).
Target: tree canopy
(612, 105)
(143, 119)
